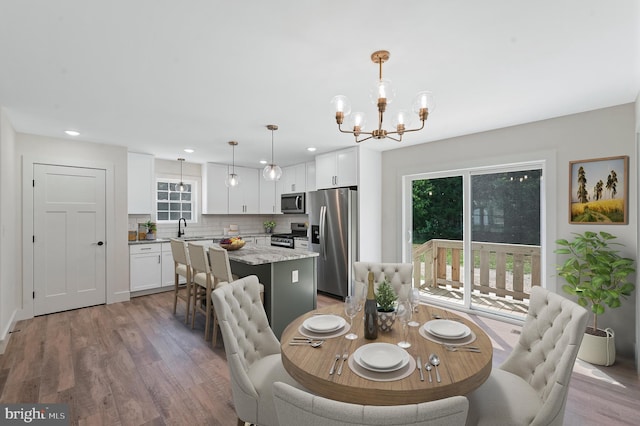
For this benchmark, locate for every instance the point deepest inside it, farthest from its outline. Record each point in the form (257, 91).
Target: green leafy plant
(269, 224)
(595, 272)
(386, 297)
(151, 226)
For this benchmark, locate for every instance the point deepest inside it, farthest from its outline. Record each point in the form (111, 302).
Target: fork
(333, 367)
(345, 356)
(461, 349)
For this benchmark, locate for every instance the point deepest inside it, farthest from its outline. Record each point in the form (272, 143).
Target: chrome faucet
(180, 231)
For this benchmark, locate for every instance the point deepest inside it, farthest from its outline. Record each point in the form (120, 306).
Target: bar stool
(182, 268)
(203, 283)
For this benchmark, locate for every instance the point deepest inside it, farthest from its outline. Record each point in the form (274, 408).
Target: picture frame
(598, 191)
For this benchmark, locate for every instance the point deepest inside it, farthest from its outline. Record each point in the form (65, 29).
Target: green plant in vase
(386, 299)
(151, 229)
(269, 226)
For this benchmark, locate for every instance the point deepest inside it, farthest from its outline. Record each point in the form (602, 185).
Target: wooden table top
(461, 372)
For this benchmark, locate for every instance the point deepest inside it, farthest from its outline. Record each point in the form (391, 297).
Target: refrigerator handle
(323, 241)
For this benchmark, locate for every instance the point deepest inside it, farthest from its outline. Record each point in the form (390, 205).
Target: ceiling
(160, 76)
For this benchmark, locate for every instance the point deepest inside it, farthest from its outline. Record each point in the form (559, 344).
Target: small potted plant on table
(597, 275)
(386, 299)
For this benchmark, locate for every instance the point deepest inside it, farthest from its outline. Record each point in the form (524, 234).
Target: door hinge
(33, 183)
(33, 239)
(34, 294)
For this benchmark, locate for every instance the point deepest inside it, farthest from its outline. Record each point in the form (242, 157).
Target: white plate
(381, 357)
(324, 323)
(447, 329)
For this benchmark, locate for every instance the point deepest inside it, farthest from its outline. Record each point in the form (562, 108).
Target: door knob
(100, 243)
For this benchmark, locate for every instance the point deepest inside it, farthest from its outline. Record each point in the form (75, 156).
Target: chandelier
(381, 95)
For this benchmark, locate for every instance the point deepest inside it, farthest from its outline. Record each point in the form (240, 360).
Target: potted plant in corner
(269, 226)
(386, 299)
(151, 229)
(597, 274)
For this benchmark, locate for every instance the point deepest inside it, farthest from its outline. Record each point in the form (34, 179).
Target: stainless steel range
(298, 230)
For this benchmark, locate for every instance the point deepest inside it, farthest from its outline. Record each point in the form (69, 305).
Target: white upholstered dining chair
(253, 351)
(530, 387)
(182, 267)
(400, 275)
(297, 407)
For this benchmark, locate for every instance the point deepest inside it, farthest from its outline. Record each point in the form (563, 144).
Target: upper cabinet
(245, 198)
(294, 179)
(218, 199)
(215, 194)
(268, 196)
(311, 176)
(337, 169)
(140, 182)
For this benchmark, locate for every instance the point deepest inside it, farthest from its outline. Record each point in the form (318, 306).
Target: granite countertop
(252, 254)
(199, 238)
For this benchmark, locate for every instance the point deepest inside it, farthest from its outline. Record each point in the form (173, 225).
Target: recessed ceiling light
(311, 149)
(263, 161)
(72, 132)
(189, 150)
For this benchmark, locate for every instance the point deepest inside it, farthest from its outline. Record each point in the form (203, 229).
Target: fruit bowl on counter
(235, 243)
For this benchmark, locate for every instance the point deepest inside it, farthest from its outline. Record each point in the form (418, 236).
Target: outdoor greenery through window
(171, 204)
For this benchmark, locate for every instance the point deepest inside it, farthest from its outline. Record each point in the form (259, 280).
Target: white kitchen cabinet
(215, 194)
(245, 198)
(263, 240)
(268, 197)
(337, 169)
(140, 183)
(311, 176)
(294, 179)
(145, 266)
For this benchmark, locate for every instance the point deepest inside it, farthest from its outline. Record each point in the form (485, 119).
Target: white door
(69, 238)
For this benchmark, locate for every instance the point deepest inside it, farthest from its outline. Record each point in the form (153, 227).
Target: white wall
(9, 257)
(601, 133)
(369, 200)
(31, 149)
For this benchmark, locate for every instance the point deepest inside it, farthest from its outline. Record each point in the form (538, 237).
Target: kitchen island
(289, 277)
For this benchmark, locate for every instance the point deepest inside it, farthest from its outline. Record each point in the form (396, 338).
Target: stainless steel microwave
(292, 203)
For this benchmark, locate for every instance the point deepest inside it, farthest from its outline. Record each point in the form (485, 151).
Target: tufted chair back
(179, 252)
(297, 407)
(247, 339)
(547, 348)
(400, 275)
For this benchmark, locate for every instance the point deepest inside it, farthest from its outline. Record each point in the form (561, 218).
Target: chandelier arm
(395, 139)
(362, 140)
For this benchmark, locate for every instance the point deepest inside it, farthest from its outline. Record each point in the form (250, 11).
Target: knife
(419, 366)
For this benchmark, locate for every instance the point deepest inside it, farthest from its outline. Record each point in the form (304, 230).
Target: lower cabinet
(150, 266)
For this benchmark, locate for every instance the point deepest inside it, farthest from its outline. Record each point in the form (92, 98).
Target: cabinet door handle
(159, 259)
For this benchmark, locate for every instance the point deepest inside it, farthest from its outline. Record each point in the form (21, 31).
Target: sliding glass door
(476, 235)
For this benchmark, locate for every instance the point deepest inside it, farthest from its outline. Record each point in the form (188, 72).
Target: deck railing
(501, 269)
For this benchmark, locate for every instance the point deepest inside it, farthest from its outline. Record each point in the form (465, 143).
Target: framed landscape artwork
(598, 191)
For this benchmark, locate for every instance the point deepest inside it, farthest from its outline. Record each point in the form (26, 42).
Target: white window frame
(194, 198)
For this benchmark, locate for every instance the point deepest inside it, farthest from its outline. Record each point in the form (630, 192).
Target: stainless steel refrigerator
(333, 216)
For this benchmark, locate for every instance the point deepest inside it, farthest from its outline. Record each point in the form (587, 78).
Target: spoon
(433, 359)
(427, 366)
(315, 344)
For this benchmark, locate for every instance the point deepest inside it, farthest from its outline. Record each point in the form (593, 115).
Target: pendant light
(272, 171)
(181, 185)
(232, 180)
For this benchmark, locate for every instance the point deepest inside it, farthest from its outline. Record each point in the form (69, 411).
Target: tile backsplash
(215, 224)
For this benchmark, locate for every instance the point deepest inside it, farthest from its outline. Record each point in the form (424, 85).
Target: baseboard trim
(4, 342)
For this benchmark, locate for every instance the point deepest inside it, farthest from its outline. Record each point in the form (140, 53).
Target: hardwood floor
(135, 363)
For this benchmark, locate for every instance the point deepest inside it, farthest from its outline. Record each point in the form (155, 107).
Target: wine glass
(403, 314)
(414, 298)
(351, 309)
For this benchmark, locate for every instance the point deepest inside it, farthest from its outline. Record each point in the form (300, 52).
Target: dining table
(460, 369)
